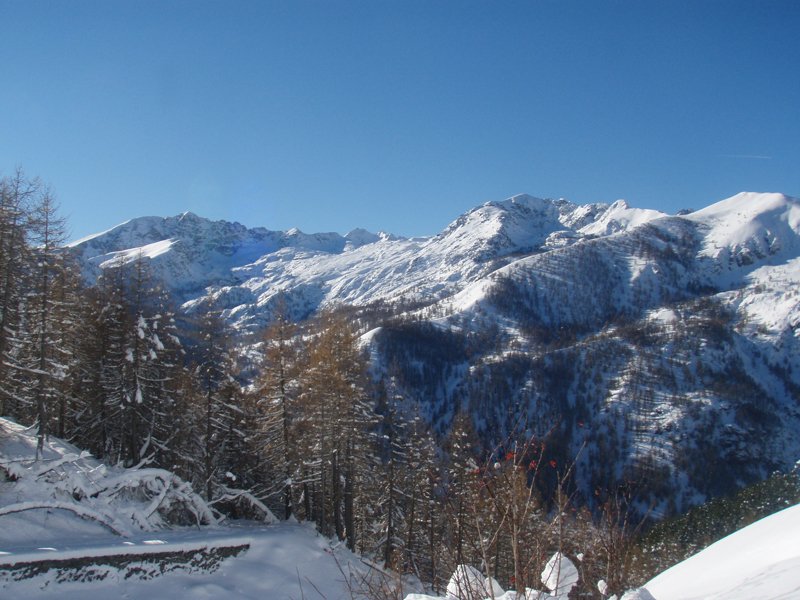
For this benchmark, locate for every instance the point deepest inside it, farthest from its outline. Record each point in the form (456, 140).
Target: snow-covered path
(286, 561)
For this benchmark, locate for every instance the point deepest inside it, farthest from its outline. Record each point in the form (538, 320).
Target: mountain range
(667, 346)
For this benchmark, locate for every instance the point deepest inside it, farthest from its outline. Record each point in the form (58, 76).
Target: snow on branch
(87, 513)
(123, 500)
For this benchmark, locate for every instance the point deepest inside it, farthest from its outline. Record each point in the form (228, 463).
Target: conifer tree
(99, 372)
(276, 389)
(17, 197)
(461, 477)
(424, 518)
(37, 303)
(336, 417)
(213, 373)
(393, 486)
(127, 358)
(47, 318)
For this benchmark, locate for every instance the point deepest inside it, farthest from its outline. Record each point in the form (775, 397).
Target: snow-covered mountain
(248, 267)
(725, 244)
(670, 345)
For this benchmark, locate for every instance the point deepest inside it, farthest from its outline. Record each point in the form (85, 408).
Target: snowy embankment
(283, 561)
(759, 562)
(60, 479)
(71, 527)
(61, 518)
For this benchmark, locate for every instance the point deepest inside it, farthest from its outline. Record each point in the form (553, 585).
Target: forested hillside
(421, 399)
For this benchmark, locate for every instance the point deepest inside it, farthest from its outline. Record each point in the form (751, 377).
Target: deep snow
(289, 560)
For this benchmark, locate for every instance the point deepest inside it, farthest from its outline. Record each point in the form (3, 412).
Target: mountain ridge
(201, 252)
(676, 336)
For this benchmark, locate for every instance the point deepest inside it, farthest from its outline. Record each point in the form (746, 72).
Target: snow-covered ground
(59, 509)
(759, 562)
(277, 561)
(289, 560)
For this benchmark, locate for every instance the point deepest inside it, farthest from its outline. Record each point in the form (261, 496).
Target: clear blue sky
(395, 115)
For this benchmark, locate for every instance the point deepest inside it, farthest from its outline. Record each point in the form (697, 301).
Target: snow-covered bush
(122, 500)
(467, 583)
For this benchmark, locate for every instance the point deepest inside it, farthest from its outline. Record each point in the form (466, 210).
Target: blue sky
(392, 115)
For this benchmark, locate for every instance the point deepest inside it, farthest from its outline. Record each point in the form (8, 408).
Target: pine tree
(213, 373)
(98, 374)
(68, 288)
(461, 476)
(162, 380)
(424, 517)
(126, 360)
(47, 326)
(37, 302)
(393, 474)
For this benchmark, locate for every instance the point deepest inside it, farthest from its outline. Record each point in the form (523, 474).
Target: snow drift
(759, 562)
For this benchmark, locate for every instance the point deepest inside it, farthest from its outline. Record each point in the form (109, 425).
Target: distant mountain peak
(189, 251)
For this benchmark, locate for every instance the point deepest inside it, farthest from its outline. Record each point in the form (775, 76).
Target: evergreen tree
(213, 371)
(394, 477)
(424, 517)
(127, 358)
(47, 325)
(461, 477)
(99, 372)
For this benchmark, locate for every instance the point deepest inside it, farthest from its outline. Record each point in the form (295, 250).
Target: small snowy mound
(560, 576)
(65, 491)
(759, 562)
(468, 582)
(621, 217)
(638, 594)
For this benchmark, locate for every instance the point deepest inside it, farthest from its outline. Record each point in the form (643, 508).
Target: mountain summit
(190, 253)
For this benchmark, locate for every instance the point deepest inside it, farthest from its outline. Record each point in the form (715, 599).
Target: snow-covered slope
(65, 557)
(759, 562)
(288, 560)
(71, 527)
(730, 244)
(676, 350)
(61, 492)
(620, 217)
